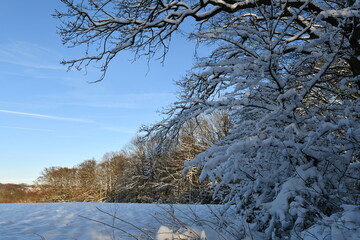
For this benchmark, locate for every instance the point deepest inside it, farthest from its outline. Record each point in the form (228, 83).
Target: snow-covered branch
(146, 26)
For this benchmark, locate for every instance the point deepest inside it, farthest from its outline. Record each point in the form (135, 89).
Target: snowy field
(110, 221)
(70, 221)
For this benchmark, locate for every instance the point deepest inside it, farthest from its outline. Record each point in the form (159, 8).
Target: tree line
(18, 193)
(140, 173)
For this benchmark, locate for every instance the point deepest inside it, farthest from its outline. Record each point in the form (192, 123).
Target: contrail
(44, 116)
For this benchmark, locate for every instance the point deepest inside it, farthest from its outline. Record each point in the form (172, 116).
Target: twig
(124, 221)
(108, 225)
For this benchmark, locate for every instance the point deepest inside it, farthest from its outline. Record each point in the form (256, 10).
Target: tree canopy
(146, 26)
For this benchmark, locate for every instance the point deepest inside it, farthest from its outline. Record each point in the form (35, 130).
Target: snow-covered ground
(70, 221)
(110, 221)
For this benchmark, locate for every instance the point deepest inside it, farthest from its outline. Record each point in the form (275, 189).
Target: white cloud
(30, 55)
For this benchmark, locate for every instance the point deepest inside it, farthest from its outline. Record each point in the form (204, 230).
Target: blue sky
(51, 117)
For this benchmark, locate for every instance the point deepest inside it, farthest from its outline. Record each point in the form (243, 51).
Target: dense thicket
(139, 173)
(18, 193)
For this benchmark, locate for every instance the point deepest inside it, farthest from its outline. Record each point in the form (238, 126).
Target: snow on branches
(286, 72)
(107, 27)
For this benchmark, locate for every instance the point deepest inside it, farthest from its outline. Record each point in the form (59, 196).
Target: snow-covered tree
(288, 74)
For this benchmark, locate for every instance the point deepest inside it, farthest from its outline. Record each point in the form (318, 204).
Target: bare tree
(145, 27)
(110, 171)
(58, 184)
